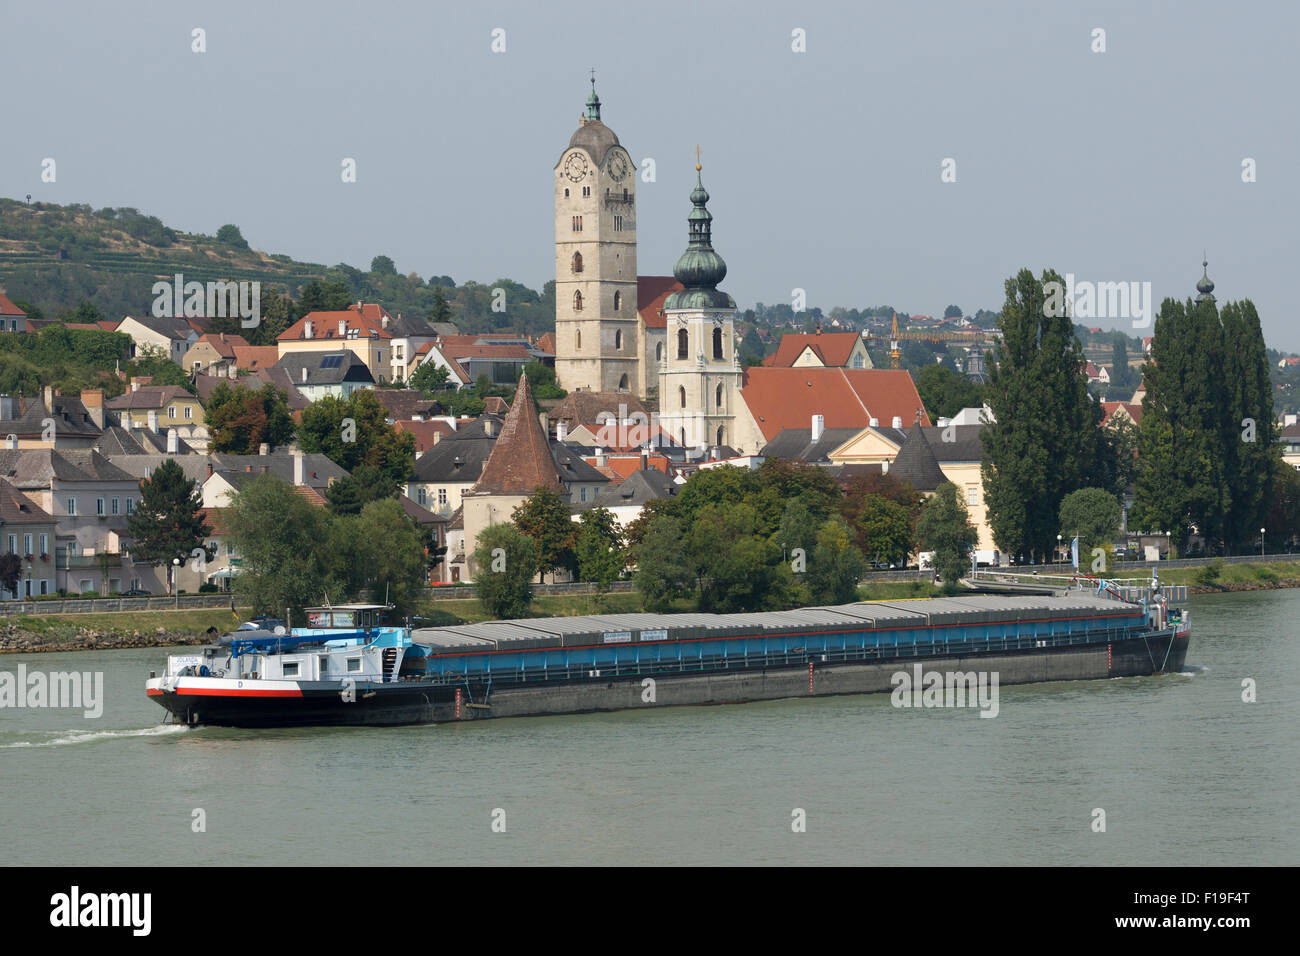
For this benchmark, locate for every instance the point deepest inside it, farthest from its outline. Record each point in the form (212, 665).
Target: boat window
(324, 664)
(291, 669)
(354, 665)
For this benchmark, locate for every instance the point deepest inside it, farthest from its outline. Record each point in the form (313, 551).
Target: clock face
(618, 168)
(575, 167)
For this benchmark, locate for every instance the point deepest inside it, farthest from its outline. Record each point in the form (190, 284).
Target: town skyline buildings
(826, 164)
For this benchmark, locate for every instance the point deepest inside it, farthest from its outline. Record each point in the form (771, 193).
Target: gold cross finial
(697, 159)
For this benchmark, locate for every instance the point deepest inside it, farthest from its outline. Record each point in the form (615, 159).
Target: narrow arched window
(681, 394)
(618, 340)
(618, 301)
(577, 301)
(622, 383)
(577, 339)
(717, 343)
(577, 262)
(720, 437)
(683, 437)
(659, 351)
(683, 343)
(717, 396)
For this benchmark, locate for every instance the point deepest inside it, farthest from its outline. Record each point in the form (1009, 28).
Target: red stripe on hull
(245, 692)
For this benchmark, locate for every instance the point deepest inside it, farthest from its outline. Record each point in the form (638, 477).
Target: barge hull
(422, 702)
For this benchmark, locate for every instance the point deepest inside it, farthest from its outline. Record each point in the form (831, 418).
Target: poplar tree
(1044, 443)
(1249, 428)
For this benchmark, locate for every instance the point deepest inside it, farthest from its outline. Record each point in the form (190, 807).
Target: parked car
(261, 624)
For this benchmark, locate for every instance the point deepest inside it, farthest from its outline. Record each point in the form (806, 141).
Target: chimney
(248, 469)
(874, 422)
(383, 321)
(152, 418)
(126, 421)
(437, 437)
(297, 468)
(896, 423)
(135, 386)
(264, 449)
(546, 422)
(304, 375)
(343, 328)
(561, 431)
(209, 467)
(645, 461)
(488, 426)
(884, 467)
(173, 442)
(818, 426)
(93, 399)
(263, 469)
(601, 460)
(11, 442)
(49, 397)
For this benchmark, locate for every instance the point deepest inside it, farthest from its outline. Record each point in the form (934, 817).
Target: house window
(27, 544)
(659, 351)
(72, 506)
(577, 262)
(189, 411)
(230, 549)
(857, 361)
(442, 496)
(566, 193)
(99, 507)
(171, 411)
(972, 495)
(116, 505)
(586, 192)
(582, 493)
(130, 506)
(421, 498)
(577, 224)
(45, 546)
(13, 544)
(681, 395)
(43, 586)
(683, 343)
(717, 343)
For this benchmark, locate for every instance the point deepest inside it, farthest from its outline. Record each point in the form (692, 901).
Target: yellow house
(927, 457)
(158, 408)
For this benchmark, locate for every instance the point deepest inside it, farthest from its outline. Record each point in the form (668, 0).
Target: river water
(1185, 771)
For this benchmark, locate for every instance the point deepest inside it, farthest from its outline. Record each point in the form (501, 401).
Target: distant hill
(56, 257)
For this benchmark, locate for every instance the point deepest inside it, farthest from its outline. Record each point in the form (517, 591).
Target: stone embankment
(14, 640)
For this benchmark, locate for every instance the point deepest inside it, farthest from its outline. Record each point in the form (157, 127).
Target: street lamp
(1261, 542)
(1060, 548)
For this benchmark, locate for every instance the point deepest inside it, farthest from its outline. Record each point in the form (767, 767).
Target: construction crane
(971, 338)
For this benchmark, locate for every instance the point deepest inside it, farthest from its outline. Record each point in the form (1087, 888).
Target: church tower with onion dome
(700, 377)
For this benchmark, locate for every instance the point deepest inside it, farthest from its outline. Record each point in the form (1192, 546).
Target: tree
(1093, 514)
(1282, 523)
(353, 431)
(1250, 426)
(153, 362)
(366, 484)
(1044, 442)
(952, 312)
(599, 548)
(382, 265)
(429, 379)
(883, 529)
(393, 553)
(167, 523)
(946, 530)
(241, 419)
(945, 392)
(544, 517)
(441, 311)
(11, 572)
(737, 569)
(505, 561)
(279, 534)
(663, 574)
(541, 379)
(231, 236)
(1121, 376)
(836, 566)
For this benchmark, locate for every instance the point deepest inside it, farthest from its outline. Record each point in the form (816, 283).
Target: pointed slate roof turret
(521, 459)
(916, 463)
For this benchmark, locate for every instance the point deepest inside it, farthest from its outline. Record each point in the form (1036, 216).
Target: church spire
(700, 268)
(593, 101)
(1205, 287)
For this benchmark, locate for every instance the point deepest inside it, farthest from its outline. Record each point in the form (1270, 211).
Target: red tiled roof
(311, 494)
(1110, 408)
(485, 351)
(255, 357)
(619, 469)
(547, 342)
(325, 325)
(650, 294)
(148, 396)
(495, 405)
(427, 434)
(215, 518)
(8, 308)
(521, 457)
(781, 398)
(224, 344)
(833, 348)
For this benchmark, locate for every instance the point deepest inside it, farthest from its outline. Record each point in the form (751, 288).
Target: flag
(232, 607)
(1074, 552)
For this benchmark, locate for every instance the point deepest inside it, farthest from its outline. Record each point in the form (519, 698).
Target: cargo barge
(345, 669)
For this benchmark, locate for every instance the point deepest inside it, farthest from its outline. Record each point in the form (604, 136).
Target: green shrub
(1207, 576)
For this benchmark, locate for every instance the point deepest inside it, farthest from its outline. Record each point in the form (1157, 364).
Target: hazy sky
(824, 166)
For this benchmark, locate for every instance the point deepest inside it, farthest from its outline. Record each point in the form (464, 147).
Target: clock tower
(598, 336)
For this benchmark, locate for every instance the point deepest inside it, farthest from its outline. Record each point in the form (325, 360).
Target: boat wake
(66, 738)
